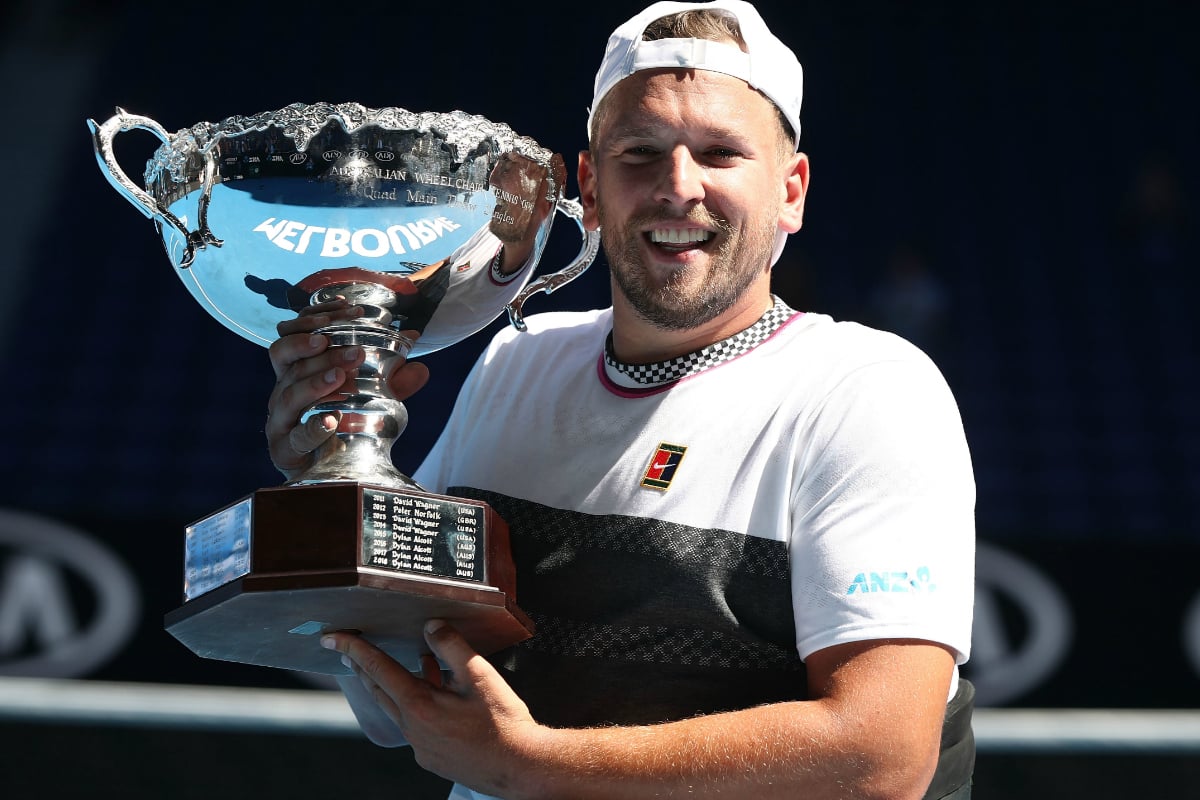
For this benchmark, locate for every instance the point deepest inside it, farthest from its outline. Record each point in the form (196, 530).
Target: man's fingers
(361, 687)
(375, 667)
(431, 670)
(286, 351)
(408, 380)
(302, 354)
(472, 678)
(467, 668)
(288, 441)
(302, 385)
(378, 693)
(292, 345)
(311, 379)
(310, 435)
(318, 316)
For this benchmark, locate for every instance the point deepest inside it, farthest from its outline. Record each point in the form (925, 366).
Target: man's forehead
(646, 101)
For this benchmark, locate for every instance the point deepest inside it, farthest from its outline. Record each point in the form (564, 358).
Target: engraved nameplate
(425, 535)
(217, 550)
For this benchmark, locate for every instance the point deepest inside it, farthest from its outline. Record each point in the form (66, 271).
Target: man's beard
(734, 265)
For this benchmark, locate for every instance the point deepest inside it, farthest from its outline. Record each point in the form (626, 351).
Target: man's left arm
(870, 730)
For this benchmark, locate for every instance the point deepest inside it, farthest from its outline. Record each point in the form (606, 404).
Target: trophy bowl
(434, 224)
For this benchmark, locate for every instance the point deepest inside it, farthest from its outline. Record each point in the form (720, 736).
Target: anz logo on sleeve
(917, 580)
(1022, 630)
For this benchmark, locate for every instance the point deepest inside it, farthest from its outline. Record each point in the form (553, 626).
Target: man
(745, 533)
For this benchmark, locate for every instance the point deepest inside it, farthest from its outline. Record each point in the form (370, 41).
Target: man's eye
(640, 150)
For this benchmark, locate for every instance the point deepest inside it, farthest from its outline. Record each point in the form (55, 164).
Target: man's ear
(587, 191)
(795, 189)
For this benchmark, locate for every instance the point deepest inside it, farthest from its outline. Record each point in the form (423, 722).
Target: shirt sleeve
(884, 535)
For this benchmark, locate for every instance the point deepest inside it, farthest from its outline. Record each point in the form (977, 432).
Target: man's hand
(468, 726)
(308, 370)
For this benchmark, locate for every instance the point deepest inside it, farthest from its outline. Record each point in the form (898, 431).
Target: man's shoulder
(846, 353)
(845, 339)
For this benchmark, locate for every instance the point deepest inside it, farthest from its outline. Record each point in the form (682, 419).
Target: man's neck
(636, 341)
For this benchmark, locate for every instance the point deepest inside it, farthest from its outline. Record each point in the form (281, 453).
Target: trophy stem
(370, 417)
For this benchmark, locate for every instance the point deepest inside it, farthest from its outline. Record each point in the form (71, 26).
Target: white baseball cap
(767, 64)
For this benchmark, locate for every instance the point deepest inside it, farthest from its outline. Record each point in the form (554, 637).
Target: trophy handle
(551, 282)
(103, 136)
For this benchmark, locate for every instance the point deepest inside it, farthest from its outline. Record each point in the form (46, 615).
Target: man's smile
(680, 239)
(680, 236)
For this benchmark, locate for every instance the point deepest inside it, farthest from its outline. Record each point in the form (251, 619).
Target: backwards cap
(767, 64)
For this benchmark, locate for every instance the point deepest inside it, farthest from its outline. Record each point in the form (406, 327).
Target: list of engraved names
(422, 535)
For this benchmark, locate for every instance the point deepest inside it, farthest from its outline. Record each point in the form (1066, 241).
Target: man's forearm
(786, 750)
(872, 731)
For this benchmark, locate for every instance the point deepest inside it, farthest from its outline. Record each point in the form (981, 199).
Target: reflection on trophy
(410, 216)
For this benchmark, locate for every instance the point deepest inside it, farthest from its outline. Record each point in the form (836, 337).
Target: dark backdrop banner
(1053, 628)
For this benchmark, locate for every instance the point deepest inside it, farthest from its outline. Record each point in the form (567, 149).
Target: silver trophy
(418, 218)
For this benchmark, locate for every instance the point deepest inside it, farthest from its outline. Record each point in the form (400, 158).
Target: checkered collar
(645, 376)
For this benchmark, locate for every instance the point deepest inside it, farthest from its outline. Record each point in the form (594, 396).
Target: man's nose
(682, 181)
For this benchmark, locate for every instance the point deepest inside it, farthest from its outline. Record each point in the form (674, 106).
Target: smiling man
(694, 190)
(702, 485)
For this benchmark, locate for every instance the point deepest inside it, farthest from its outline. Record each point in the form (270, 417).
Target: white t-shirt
(827, 453)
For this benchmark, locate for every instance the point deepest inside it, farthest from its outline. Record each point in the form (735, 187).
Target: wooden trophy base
(267, 575)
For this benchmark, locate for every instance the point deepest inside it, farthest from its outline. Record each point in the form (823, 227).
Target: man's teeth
(680, 236)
